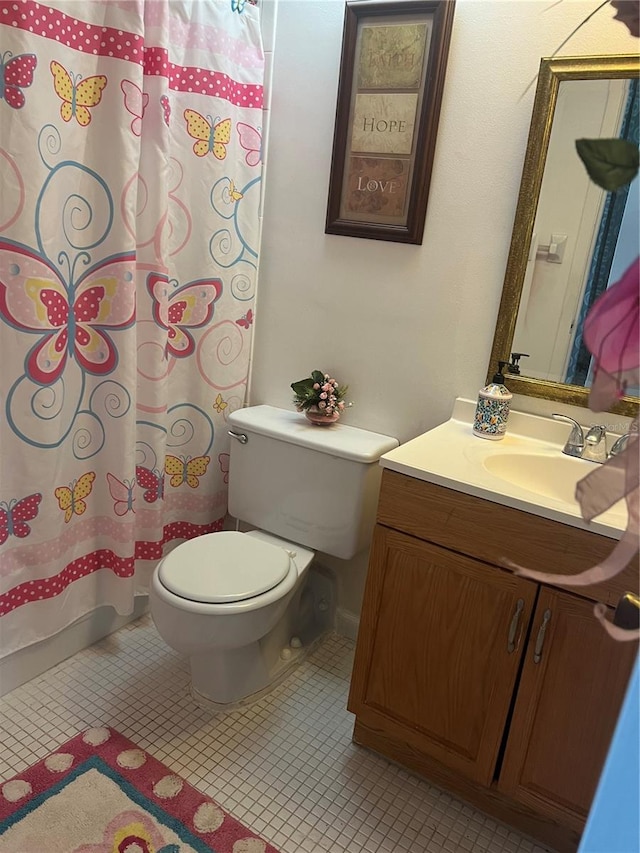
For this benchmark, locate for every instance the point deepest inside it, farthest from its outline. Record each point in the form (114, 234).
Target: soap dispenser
(492, 410)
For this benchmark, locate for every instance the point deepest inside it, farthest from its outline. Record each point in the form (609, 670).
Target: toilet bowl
(245, 607)
(218, 598)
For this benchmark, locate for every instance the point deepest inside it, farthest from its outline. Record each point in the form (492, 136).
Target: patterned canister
(492, 409)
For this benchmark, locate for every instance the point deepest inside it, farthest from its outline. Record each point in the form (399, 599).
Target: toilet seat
(223, 567)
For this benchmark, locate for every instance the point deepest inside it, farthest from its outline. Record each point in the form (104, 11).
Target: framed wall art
(394, 56)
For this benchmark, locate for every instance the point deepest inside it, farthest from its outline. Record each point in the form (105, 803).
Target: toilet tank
(314, 485)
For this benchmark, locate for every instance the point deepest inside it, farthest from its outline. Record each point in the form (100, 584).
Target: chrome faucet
(592, 447)
(595, 444)
(620, 444)
(575, 442)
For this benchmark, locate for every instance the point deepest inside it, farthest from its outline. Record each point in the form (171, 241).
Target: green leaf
(317, 376)
(302, 388)
(611, 163)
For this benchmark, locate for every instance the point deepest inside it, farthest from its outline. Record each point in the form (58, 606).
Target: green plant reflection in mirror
(570, 238)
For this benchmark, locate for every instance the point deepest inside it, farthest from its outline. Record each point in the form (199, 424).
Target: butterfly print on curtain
(213, 135)
(76, 95)
(16, 74)
(178, 309)
(15, 515)
(251, 140)
(184, 470)
(71, 498)
(152, 482)
(121, 492)
(135, 102)
(72, 320)
(246, 320)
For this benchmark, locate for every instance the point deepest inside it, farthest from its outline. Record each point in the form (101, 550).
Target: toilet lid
(223, 567)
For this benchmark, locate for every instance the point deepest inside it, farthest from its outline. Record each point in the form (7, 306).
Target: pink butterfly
(16, 73)
(15, 514)
(122, 493)
(166, 109)
(152, 481)
(71, 319)
(246, 320)
(251, 141)
(135, 102)
(177, 309)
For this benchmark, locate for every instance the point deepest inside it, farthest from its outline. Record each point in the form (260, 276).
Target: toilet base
(225, 679)
(284, 671)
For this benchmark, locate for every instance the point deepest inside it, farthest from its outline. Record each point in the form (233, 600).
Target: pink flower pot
(318, 417)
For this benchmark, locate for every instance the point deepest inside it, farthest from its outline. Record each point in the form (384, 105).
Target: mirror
(570, 238)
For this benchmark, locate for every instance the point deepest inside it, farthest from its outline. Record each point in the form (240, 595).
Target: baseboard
(347, 624)
(25, 664)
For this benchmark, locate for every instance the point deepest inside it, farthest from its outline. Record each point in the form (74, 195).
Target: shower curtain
(130, 173)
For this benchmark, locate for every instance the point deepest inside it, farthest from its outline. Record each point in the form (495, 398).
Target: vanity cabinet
(442, 661)
(503, 690)
(566, 708)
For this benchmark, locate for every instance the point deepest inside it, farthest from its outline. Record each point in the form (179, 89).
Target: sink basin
(549, 476)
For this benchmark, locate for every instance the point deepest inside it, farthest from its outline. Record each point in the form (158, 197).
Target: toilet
(234, 602)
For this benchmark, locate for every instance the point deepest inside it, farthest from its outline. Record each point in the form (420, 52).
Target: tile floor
(285, 767)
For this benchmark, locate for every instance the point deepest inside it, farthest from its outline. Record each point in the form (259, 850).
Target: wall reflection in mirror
(583, 237)
(571, 240)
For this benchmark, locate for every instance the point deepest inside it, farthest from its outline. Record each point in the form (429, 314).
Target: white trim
(23, 665)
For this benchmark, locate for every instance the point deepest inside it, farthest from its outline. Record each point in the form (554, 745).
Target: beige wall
(409, 328)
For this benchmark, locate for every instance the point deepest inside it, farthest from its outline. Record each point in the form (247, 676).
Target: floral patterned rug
(100, 793)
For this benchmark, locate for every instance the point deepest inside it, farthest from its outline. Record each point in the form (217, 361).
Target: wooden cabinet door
(573, 682)
(438, 650)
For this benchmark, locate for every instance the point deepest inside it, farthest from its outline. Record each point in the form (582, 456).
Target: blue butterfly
(238, 6)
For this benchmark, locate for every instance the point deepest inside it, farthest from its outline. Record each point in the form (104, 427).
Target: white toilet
(233, 602)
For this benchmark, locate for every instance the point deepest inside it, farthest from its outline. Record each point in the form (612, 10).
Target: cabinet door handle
(627, 613)
(514, 625)
(537, 652)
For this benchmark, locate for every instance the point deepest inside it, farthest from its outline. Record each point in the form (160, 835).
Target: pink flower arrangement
(319, 391)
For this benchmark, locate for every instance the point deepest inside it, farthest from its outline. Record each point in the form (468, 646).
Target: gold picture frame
(392, 72)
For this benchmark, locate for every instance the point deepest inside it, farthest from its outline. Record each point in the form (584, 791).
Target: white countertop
(451, 455)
